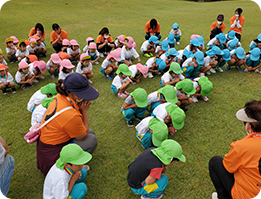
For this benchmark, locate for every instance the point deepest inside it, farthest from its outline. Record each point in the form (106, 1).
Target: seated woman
(71, 126)
(104, 42)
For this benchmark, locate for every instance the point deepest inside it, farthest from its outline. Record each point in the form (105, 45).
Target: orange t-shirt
(63, 35)
(215, 24)
(65, 126)
(244, 160)
(149, 29)
(100, 39)
(33, 32)
(241, 22)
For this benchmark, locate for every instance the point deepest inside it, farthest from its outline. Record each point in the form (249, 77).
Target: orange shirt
(63, 35)
(33, 32)
(65, 126)
(149, 29)
(241, 22)
(244, 160)
(215, 24)
(100, 39)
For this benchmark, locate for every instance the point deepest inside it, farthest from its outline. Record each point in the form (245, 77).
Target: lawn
(209, 128)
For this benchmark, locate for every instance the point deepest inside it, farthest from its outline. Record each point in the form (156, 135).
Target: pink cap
(115, 54)
(85, 56)
(15, 39)
(73, 42)
(121, 38)
(55, 58)
(143, 69)
(92, 45)
(22, 64)
(134, 45)
(41, 65)
(66, 63)
(194, 36)
(33, 40)
(89, 39)
(66, 42)
(130, 44)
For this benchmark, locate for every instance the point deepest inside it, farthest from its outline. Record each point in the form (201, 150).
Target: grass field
(209, 126)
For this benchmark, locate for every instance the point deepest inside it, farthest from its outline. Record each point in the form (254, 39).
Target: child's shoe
(194, 99)
(108, 77)
(41, 77)
(220, 69)
(208, 73)
(96, 62)
(147, 55)
(256, 71)
(13, 90)
(150, 75)
(212, 70)
(214, 195)
(130, 123)
(178, 43)
(4, 91)
(30, 86)
(227, 68)
(245, 70)
(126, 93)
(205, 98)
(25, 87)
(238, 68)
(86, 167)
(155, 197)
(90, 81)
(35, 81)
(112, 75)
(52, 76)
(101, 55)
(201, 74)
(122, 95)
(151, 54)
(138, 118)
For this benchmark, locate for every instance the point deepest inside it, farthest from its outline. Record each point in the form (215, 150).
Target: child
(230, 35)
(256, 43)
(30, 59)
(40, 47)
(145, 172)
(149, 46)
(171, 40)
(21, 52)
(172, 76)
(16, 41)
(222, 60)
(177, 33)
(184, 89)
(110, 64)
(252, 62)
(127, 52)
(6, 80)
(169, 57)
(201, 43)
(138, 71)
(135, 106)
(165, 94)
(203, 88)
(182, 57)
(10, 49)
(122, 81)
(237, 59)
(84, 67)
(48, 90)
(210, 61)
(219, 41)
(233, 44)
(93, 52)
(2, 60)
(66, 177)
(37, 68)
(155, 65)
(74, 51)
(192, 48)
(23, 76)
(63, 55)
(31, 48)
(66, 69)
(119, 41)
(151, 132)
(88, 41)
(171, 115)
(66, 45)
(53, 65)
(193, 64)
(162, 48)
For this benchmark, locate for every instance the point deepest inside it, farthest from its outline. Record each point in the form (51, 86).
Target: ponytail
(60, 88)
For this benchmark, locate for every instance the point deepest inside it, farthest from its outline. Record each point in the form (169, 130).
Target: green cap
(49, 88)
(74, 154)
(175, 67)
(169, 93)
(187, 86)
(140, 97)
(206, 86)
(123, 68)
(177, 115)
(46, 101)
(169, 149)
(159, 131)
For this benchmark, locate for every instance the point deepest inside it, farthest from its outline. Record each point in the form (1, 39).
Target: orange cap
(32, 58)
(63, 55)
(2, 67)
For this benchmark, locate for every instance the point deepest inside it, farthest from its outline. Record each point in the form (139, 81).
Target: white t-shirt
(160, 111)
(40, 46)
(105, 63)
(80, 70)
(36, 99)
(188, 62)
(56, 184)
(19, 52)
(48, 64)
(166, 77)
(70, 50)
(238, 44)
(117, 81)
(178, 31)
(4, 62)
(85, 49)
(9, 49)
(31, 68)
(208, 60)
(212, 41)
(144, 46)
(143, 127)
(62, 75)
(195, 82)
(19, 75)
(149, 62)
(6, 78)
(29, 48)
(153, 97)
(37, 115)
(164, 57)
(127, 54)
(133, 69)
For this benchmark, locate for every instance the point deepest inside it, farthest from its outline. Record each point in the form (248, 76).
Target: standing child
(66, 177)
(74, 51)
(88, 41)
(173, 76)
(23, 76)
(32, 47)
(84, 67)
(66, 45)
(10, 49)
(135, 106)
(53, 65)
(122, 81)
(149, 46)
(66, 69)
(93, 52)
(252, 62)
(127, 52)
(177, 33)
(21, 52)
(138, 71)
(203, 88)
(37, 68)
(6, 80)
(237, 59)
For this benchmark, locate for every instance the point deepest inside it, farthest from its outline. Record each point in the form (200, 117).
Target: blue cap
(187, 53)
(233, 44)
(231, 34)
(210, 53)
(222, 37)
(240, 52)
(226, 55)
(172, 51)
(195, 42)
(161, 64)
(199, 55)
(259, 37)
(200, 40)
(175, 25)
(164, 45)
(171, 38)
(153, 39)
(255, 54)
(216, 50)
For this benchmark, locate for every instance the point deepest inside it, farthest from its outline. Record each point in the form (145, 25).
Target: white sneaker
(86, 167)
(205, 98)
(96, 62)
(150, 75)
(214, 195)
(101, 55)
(201, 74)
(159, 73)
(35, 81)
(208, 73)
(220, 69)
(178, 43)
(212, 70)
(194, 99)
(41, 77)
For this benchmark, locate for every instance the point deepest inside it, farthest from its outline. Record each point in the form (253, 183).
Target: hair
(22, 44)
(153, 23)
(253, 110)
(90, 42)
(60, 88)
(239, 10)
(174, 159)
(64, 70)
(104, 31)
(55, 26)
(40, 27)
(193, 47)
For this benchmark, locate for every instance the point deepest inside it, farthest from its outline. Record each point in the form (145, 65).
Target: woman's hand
(84, 105)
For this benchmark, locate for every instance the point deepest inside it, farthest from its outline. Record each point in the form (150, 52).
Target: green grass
(209, 128)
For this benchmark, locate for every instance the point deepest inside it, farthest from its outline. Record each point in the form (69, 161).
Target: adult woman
(236, 22)
(104, 42)
(38, 30)
(71, 126)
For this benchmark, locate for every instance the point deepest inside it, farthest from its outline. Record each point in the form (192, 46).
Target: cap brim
(182, 158)
(241, 115)
(156, 142)
(177, 125)
(83, 160)
(88, 94)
